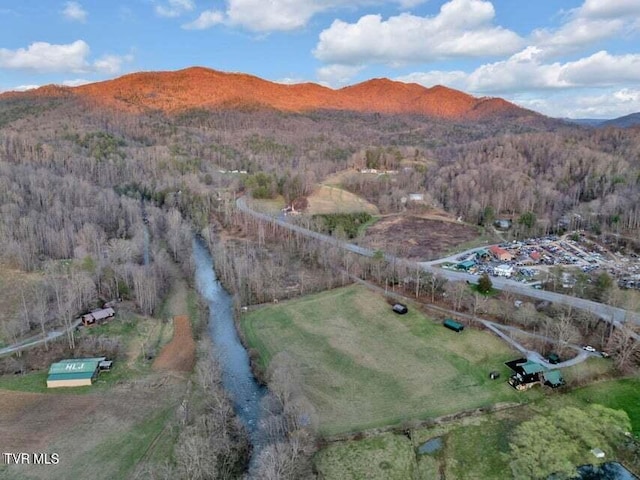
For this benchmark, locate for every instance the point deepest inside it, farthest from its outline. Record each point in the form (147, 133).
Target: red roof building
(500, 253)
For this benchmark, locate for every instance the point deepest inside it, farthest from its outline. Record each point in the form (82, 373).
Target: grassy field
(384, 457)
(363, 366)
(327, 199)
(267, 205)
(473, 448)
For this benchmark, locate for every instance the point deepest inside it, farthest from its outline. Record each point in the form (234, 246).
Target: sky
(563, 58)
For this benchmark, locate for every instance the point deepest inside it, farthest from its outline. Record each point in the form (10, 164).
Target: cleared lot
(418, 238)
(364, 366)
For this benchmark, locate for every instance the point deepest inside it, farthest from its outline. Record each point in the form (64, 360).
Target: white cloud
(585, 104)
(279, 15)
(603, 69)
(111, 64)
(609, 8)
(75, 83)
(454, 78)
(43, 57)
(46, 57)
(290, 80)
(462, 29)
(410, 3)
(207, 19)
(335, 75)
(523, 71)
(24, 88)
(575, 35)
(175, 8)
(73, 11)
(593, 21)
(262, 16)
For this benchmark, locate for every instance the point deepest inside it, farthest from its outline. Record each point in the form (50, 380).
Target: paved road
(35, 341)
(608, 313)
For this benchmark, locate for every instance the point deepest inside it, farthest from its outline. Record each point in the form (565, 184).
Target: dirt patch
(75, 425)
(417, 238)
(28, 421)
(179, 354)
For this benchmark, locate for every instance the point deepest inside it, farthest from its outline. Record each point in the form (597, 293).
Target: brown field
(418, 238)
(179, 354)
(28, 421)
(80, 428)
(326, 199)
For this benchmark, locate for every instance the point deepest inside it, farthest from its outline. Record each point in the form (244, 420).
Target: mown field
(327, 199)
(364, 366)
(472, 448)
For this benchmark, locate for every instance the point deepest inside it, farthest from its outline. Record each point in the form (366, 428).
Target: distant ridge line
(199, 87)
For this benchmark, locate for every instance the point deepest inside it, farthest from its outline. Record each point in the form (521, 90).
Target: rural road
(615, 315)
(35, 341)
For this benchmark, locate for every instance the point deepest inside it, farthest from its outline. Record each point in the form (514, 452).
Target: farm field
(324, 199)
(417, 237)
(100, 435)
(327, 199)
(472, 448)
(364, 366)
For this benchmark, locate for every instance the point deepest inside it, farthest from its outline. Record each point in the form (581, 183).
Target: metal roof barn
(73, 372)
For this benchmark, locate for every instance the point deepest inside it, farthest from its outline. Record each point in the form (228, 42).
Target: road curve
(617, 316)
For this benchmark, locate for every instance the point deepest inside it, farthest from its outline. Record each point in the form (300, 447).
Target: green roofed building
(531, 368)
(74, 372)
(466, 265)
(553, 378)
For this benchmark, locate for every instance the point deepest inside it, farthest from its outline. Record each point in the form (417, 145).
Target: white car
(589, 348)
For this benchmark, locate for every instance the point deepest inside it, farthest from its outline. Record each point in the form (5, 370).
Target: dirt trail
(176, 305)
(178, 299)
(179, 354)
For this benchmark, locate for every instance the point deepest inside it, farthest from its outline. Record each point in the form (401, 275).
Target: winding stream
(237, 377)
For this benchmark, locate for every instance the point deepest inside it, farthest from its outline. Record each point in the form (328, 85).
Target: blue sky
(576, 58)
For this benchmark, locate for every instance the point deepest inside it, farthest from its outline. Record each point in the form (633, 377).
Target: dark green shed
(453, 325)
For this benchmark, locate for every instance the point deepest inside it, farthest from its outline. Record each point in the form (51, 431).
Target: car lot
(530, 260)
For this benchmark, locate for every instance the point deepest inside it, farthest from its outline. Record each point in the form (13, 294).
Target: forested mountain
(205, 88)
(631, 120)
(74, 173)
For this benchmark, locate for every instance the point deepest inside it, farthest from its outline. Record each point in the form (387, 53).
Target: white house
(503, 270)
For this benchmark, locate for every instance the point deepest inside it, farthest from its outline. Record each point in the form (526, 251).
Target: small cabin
(97, 316)
(400, 309)
(453, 325)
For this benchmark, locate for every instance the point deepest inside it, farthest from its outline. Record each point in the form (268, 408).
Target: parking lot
(531, 260)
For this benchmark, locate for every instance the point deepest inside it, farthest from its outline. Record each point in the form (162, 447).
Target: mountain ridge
(200, 87)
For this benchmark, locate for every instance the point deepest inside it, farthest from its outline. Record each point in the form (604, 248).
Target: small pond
(431, 446)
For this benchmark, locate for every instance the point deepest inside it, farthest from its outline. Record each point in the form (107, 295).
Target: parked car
(400, 309)
(604, 355)
(553, 358)
(589, 348)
